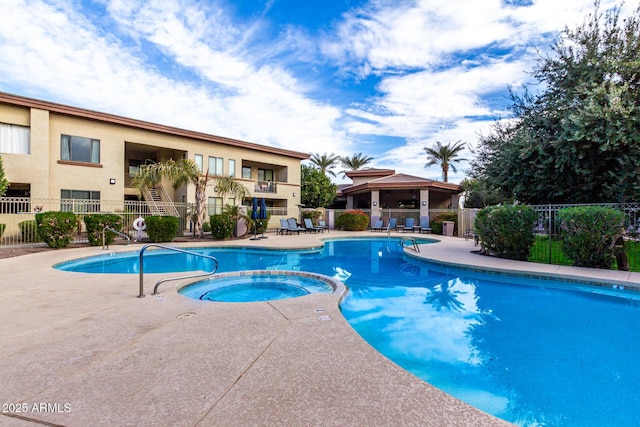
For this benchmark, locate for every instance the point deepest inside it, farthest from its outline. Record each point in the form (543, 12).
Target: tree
(478, 194)
(578, 141)
(325, 162)
(179, 173)
(317, 190)
(445, 156)
(227, 186)
(4, 183)
(355, 162)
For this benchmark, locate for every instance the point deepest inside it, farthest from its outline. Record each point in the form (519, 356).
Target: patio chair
(323, 225)
(284, 227)
(377, 225)
(308, 224)
(393, 222)
(293, 226)
(408, 225)
(424, 224)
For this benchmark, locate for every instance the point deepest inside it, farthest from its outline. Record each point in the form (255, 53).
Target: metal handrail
(155, 288)
(414, 243)
(126, 236)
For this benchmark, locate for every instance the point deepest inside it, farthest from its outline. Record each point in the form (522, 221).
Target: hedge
(222, 225)
(56, 228)
(353, 220)
(506, 231)
(436, 222)
(588, 235)
(95, 223)
(162, 228)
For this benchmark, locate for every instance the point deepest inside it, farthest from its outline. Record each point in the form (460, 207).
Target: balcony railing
(265, 187)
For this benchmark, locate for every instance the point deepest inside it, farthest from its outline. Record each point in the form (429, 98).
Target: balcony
(265, 187)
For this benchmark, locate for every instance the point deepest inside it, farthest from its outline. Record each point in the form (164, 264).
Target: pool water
(255, 287)
(533, 352)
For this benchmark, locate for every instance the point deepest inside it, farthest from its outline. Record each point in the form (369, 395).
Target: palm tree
(325, 162)
(355, 162)
(227, 185)
(446, 156)
(179, 173)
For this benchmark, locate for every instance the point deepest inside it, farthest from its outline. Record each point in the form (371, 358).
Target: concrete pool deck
(80, 349)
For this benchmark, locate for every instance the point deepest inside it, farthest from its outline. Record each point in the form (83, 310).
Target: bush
(56, 228)
(2, 227)
(95, 223)
(436, 222)
(260, 224)
(588, 234)
(206, 227)
(353, 221)
(162, 228)
(29, 231)
(506, 231)
(222, 225)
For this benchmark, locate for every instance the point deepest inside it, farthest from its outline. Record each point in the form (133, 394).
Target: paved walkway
(81, 350)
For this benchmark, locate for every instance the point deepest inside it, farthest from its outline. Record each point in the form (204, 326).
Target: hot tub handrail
(126, 236)
(155, 288)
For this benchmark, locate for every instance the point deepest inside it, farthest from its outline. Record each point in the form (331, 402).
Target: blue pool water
(255, 287)
(533, 352)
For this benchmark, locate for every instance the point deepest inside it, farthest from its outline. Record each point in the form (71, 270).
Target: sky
(384, 78)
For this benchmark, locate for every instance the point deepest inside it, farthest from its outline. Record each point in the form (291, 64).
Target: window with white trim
(216, 167)
(198, 159)
(79, 201)
(232, 168)
(214, 206)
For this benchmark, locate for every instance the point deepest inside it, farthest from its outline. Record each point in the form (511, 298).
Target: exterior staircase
(159, 205)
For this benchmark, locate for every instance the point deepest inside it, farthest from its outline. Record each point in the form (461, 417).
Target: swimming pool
(533, 352)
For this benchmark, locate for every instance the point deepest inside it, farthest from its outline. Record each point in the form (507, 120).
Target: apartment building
(54, 151)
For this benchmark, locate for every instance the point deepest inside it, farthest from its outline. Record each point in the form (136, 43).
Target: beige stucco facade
(124, 143)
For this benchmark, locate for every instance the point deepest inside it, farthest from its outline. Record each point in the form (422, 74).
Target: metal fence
(17, 216)
(547, 248)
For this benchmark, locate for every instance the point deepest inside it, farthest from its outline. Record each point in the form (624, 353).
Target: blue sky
(381, 77)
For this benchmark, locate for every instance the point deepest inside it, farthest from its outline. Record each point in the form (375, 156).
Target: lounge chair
(408, 225)
(424, 224)
(308, 224)
(323, 225)
(393, 222)
(284, 227)
(293, 226)
(377, 225)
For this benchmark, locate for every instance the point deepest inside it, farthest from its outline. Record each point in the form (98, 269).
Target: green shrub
(222, 225)
(588, 234)
(436, 222)
(29, 231)
(56, 228)
(506, 231)
(2, 227)
(353, 220)
(95, 223)
(162, 228)
(260, 224)
(206, 227)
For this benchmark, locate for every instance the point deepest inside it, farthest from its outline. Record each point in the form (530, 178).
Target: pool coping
(86, 340)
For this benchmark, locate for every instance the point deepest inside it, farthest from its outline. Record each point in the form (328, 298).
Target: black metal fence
(547, 248)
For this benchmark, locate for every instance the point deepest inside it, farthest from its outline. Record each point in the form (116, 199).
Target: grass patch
(540, 253)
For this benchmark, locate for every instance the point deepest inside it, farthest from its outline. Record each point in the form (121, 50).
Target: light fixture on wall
(424, 203)
(375, 203)
(112, 181)
(294, 194)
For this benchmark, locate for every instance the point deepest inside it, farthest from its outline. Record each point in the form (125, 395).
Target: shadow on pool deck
(97, 355)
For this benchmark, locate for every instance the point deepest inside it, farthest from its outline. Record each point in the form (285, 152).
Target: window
(79, 149)
(214, 206)
(215, 166)
(265, 175)
(232, 168)
(14, 139)
(246, 172)
(80, 201)
(198, 160)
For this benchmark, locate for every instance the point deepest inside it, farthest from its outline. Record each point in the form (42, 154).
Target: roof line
(140, 124)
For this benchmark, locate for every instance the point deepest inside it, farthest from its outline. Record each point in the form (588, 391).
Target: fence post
(550, 232)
